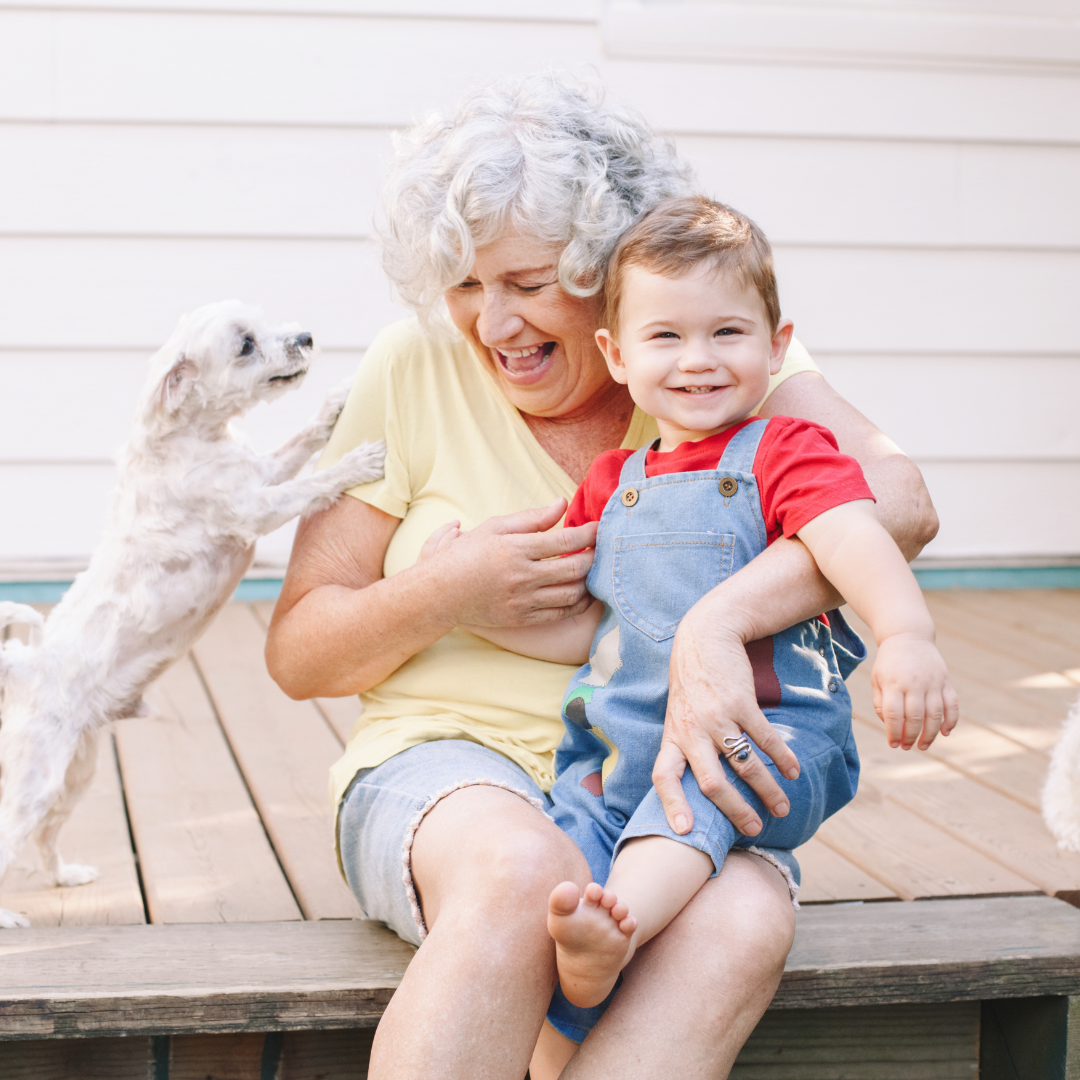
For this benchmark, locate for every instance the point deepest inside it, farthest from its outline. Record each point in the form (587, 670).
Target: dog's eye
(248, 347)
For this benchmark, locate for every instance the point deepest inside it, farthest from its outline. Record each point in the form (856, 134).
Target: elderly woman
(508, 213)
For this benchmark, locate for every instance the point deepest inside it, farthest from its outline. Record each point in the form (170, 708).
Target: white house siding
(156, 156)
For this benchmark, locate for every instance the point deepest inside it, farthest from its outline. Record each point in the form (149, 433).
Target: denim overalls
(663, 542)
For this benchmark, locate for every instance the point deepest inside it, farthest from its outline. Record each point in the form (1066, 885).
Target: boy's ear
(780, 342)
(612, 354)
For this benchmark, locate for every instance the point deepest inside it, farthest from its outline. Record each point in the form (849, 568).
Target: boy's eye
(726, 331)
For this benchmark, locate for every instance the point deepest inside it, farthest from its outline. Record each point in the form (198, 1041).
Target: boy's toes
(564, 899)
(593, 895)
(619, 911)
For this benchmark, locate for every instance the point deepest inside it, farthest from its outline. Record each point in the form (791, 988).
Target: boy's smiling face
(696, 351)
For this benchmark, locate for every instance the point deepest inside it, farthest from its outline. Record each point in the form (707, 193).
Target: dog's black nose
(303, 341)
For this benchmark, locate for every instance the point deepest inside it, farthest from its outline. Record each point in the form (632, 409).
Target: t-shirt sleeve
(796, 360)
(801, 473)
(592, 496)
(371, 413)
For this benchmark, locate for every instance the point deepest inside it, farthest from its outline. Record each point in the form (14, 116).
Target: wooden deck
(216, 811)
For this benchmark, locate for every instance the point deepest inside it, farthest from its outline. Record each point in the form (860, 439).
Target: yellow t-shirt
(457, 448)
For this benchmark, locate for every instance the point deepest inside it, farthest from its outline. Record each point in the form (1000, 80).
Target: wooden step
(58, 982)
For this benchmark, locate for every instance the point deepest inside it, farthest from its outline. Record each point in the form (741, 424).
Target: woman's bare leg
(473, 999)
(691, 996)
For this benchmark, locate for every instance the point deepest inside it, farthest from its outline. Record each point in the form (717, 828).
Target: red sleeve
(598, 486)
(801, 473)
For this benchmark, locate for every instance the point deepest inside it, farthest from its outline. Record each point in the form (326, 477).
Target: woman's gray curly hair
(542, 155)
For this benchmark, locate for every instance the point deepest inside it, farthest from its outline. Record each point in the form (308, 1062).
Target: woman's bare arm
(340, 627)
(711, 683)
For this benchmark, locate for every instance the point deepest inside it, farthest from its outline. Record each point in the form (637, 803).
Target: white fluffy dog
(1061, 794)
(191, 502)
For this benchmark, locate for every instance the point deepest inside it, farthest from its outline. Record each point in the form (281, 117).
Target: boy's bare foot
(592, 940)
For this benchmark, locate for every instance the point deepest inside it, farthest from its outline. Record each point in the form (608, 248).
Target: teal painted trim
(935, 577)
(999, 577)
(49, 592)
(258, 589)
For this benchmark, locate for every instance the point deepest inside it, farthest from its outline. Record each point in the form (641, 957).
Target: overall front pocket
(658, 577)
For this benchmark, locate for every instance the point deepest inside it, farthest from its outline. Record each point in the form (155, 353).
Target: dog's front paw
(70, 874)
(332, 405)
(12, 920)
(362, 464)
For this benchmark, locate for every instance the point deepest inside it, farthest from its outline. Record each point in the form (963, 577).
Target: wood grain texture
(203, 851)
(285, 749)
(933, 950)
(827, 877)
(78, 1059)
(896, 1042)
(216, 1057)
(909, 854)
(325, 1055)
(217, 977)
(97, 834)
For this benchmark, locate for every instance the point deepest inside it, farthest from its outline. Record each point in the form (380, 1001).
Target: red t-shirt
(799, 470)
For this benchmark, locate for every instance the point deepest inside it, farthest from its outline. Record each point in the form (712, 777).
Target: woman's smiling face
(536, 338)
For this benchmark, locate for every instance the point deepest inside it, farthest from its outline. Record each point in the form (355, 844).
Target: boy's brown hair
(679, 234)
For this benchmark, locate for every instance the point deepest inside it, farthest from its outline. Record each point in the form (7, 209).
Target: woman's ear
(612, 354)
(176, 384)
(781, 339)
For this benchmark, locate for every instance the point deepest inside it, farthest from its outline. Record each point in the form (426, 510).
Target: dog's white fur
(1061, 793)
(191, 502)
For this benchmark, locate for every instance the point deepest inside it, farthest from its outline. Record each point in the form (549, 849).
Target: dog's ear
(176, 384)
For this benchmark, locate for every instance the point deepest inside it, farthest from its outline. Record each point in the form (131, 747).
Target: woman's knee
(487, 847)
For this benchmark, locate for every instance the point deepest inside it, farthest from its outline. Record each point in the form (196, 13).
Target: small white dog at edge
(1061, 793)
(191, 502)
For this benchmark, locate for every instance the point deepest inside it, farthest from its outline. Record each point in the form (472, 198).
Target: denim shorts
(384, 806)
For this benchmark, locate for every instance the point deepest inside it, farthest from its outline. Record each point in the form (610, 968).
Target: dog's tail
(12, 614)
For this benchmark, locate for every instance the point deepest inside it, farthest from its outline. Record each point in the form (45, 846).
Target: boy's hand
(440, 539)
(913, 695)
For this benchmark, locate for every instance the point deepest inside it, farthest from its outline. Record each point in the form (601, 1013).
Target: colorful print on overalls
(663, 542)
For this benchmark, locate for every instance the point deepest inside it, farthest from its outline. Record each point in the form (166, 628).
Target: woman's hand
(712, 697)
(508, 571)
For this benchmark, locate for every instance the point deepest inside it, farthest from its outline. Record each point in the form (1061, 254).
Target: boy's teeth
(698, 389)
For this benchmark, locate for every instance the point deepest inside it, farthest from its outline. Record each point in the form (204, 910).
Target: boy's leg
(596, 934)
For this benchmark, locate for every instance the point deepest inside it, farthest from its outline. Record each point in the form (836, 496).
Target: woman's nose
(498, 322)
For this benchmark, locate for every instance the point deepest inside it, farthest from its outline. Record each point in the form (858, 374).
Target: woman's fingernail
(681, 824)
(752, 829)
(793, 774)
(781, 808)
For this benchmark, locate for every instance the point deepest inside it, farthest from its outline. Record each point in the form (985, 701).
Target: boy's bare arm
(565, 642)
(912, 692)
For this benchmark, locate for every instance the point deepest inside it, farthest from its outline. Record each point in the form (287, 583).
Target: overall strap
(633, 470)
(739, 454)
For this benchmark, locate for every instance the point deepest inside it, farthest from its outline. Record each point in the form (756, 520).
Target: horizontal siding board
(578, 11)
(129, 293)
(1004, 509)
(137, 179)
(79, 292)
(173, 66)
(966, 407)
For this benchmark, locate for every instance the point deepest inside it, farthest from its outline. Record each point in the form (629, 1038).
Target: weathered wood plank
(894, 1042)
(96, 833)
(933, 950)
(325, 1055)
(827, 877)
(209, 978)
(910, 855)
(203, 851)
(341, 713)
(78, 1059)
(998, 827)
(216, 1057)
(57, 982)
(285, 749)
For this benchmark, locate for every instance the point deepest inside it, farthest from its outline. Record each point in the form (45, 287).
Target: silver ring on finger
(737, 748)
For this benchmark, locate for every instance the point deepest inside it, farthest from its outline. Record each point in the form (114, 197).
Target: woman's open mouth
(525, 365)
